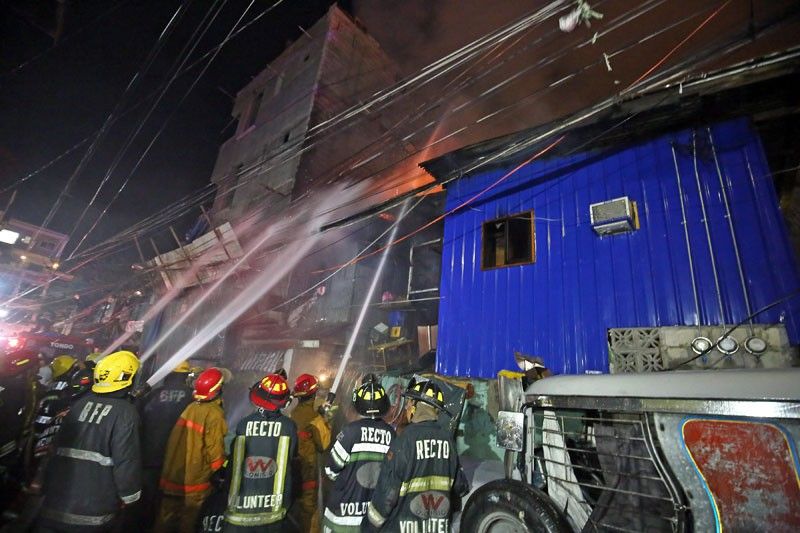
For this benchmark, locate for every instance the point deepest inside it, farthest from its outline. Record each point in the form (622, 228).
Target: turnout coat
(354, 465)
(261, 469)
(418, 482)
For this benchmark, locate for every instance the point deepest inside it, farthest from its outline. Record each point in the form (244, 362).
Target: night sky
(64, 92)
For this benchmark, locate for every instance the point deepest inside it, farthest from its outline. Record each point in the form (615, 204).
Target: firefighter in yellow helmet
(314, 438)
(63, 368)
(195, 451)
(61, 365)
(421, 480)
(159, 410)
(93, 358)
(96, 467)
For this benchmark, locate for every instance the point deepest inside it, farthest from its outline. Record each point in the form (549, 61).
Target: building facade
(625, 249)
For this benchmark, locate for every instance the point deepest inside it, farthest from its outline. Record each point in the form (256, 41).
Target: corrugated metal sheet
(561, 307)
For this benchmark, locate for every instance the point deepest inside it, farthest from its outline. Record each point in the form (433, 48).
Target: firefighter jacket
(212, 513)
(52, 408)
(97, 462)
(159, 411)
(314, 438)
(261, 472)
(17, 402)
(195, 449)
(354, 465)
(417, 483)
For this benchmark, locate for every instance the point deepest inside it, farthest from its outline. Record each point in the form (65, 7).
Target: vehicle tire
(507, 506)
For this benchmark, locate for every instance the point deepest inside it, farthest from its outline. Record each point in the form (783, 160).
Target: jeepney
(672, 451)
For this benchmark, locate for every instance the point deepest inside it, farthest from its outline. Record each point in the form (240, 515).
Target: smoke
(297, 233)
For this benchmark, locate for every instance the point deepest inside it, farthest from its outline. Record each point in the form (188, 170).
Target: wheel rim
(501, 522)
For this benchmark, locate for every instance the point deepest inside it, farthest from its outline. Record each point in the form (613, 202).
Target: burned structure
(281, 153)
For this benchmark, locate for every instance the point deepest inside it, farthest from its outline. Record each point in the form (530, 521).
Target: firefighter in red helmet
(314, 435)
(195, 451)
(261, 473)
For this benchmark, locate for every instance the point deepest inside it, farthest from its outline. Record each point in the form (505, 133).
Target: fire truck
(46, 343)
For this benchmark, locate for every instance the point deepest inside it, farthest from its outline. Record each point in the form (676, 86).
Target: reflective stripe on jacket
(97, 462)
(261, 474)
(354, 464)
(315, 438)
(417, 481)
(159, 411)
(195, 449)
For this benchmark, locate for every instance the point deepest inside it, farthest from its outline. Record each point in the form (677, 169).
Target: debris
(583, 12)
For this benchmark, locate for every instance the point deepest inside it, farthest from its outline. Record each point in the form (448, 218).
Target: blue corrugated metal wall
(561, 306)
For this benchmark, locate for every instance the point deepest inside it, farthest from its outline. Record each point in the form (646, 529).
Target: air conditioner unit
(613, 216)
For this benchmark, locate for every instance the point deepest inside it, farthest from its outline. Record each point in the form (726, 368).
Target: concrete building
(282, 151)
(275, 154)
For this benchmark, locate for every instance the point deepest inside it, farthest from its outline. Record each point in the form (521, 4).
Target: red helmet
(208, 384)
(17, 362)
(270, 393)
(305, 385)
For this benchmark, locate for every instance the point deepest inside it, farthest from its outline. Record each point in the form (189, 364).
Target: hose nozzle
(142, 391)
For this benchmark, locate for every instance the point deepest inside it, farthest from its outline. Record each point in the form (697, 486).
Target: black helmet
(427, 392)
(370, 398)
(80, 382)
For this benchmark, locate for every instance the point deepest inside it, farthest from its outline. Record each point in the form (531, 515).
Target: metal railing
(605, 472)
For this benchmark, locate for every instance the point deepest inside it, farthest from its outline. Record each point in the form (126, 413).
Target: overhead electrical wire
(680, 44)
(541, 63)
(89, 137)
(165, 123)
(172, 74)
(64, 39)
(537, 12)
(240, 184)
(130, 87)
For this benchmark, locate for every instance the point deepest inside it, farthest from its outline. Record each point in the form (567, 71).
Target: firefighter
(356, 457)
(159, 410)
(17, 404)
(96, 467)
(314, 435)
(264, 446)
(91, 360)
(195, 450)
(54, 400)
(211, 518)
(421, 478)
(79, 384)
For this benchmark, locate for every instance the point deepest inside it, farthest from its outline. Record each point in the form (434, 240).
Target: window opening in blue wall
(509, 241)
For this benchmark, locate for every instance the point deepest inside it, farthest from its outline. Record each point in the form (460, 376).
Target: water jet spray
(280, 265)
(363, 313)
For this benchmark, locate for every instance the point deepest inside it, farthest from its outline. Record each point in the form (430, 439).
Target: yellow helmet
(115, 372)
(183, 367)
(94, 357)
(61, 365)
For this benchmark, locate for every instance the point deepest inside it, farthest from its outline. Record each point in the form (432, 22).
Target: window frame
(506, 218)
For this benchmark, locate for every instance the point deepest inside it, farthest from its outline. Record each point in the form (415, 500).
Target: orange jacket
(195, 449)
(314, 438)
